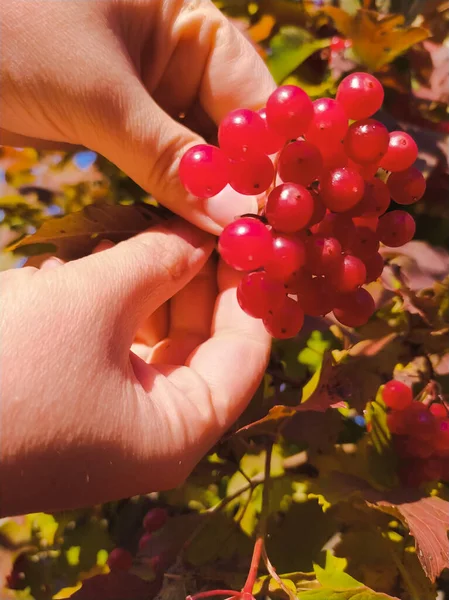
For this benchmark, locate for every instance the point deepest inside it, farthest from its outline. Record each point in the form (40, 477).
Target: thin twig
(273, 574)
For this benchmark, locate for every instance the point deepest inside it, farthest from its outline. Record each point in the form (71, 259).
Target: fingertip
(228, 205)
(103, 245)
(51, 263)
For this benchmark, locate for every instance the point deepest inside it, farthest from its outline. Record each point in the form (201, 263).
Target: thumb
(147, 144)
(135, 277)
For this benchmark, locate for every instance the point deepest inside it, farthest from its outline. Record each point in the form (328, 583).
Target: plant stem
(259, 543)
(255, 560)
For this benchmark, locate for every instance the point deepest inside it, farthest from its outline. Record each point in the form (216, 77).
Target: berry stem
(210, 593)
(272, 571)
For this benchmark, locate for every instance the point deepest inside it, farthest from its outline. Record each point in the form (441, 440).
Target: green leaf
(220, 539)
(360, 593)
(295, 540)
(289, 49)
(333, 574)
(312, 354)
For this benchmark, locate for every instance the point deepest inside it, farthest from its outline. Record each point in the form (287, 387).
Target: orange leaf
(262, 29)
(376, 40)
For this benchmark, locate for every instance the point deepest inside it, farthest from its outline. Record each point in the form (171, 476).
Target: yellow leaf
(376, 40)
(44, 524)
(66, 592)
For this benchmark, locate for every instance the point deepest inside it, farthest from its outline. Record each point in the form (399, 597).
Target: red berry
(396, 228)
(323, 254)
(120, 559)
(241, 132)
(368, 222)
(298, 282)
(288, 255)
(204, 170)
(374, 266)
(300, 162)
(366, 141)
(439, 410)
(441, 441)
(365, 243)
(337, 225)
(339, 44)
(407, 187)
(155, 519)
(354, 309)
(144, 541)
(419, 422)
(367, 171)
(341, 189)
(251, 176)
(245, 244)
(397, 395)
(329, 124)
(334, 156)
(317, 298)
(286, 320)
(350, 275)
(289, 207)
(402, 152)
(272, 142)
(319, 210)
(257, 294)
(289, 111)
(375, 201)
(396, 424)
(361, 95)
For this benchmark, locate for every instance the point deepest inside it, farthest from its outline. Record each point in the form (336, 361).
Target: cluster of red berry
(420, 435)
(120, 559)
(316, 241)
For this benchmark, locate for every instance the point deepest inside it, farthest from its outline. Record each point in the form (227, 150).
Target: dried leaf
(428, 521)
(76, 234)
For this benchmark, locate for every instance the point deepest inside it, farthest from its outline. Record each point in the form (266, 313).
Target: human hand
(115, 75)
(87, 420)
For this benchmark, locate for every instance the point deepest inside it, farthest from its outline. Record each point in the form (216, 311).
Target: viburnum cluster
(120, 559)
(322, 168)
(420, 435)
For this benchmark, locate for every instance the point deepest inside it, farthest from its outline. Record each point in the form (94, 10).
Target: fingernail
(51, 263)
(229, 204)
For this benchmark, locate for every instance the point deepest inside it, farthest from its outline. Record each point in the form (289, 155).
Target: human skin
(119, 371)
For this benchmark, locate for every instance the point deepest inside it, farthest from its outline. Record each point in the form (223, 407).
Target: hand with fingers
(121, 369)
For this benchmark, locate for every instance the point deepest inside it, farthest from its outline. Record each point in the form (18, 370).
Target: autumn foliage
(316, 493)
